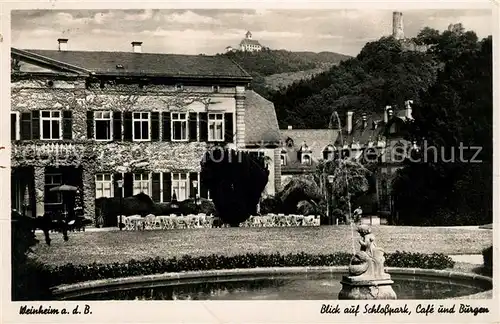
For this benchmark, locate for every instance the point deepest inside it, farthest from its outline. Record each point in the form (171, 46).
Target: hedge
(49, 276)
(488, 259)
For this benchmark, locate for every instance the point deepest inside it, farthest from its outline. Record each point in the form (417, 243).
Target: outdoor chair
(127, 222)
(317, 221)
(149, 222)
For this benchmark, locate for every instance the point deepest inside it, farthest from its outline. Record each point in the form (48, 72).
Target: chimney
(63, 44)
(290, 127)
(386, 117)
(364, 119)
(397, 25)
(136, 47)
(408, 108)
(349, 122)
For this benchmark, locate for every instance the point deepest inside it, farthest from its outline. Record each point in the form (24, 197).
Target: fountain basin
(290, 283)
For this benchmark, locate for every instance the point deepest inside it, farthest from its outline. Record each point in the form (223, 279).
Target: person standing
(358, 212)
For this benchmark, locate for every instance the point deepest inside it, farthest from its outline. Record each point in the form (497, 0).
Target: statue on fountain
(367, 278)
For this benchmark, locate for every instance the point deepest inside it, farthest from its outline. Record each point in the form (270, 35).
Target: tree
(236, 180)
(382, 74)
(350, 179)
(455, 112)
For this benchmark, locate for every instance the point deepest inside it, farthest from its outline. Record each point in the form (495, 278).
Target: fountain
(367, 278)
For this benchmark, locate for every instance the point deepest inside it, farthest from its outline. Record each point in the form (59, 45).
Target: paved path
(468, 258)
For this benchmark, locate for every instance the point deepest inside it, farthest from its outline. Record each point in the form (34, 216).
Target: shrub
(270, 205)
(488, 259)
(419, 260)
(70, 273)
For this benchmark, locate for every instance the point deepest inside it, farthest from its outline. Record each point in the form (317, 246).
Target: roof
(315, 139)
(261, 123)
(143, 64)
(363, 134)
(247, 41)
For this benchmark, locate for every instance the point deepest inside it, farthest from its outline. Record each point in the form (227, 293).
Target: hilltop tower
(397, 25)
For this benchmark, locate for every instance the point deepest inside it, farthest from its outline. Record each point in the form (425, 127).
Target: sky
(210, 31)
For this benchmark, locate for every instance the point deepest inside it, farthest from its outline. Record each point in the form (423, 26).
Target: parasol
(26, 200)
(64, 188)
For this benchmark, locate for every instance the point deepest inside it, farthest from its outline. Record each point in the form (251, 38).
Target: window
(179, 127)
(50, 125)
(103, 185)
(180, 186)
(51, 181)
(14, 126)
(328, 153)
(215, 127)
(103, 125)
(215, 89)
(142, 183)
(140, 126)
(306, 159)
(283, 159)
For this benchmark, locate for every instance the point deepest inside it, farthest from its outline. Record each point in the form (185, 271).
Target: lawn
(116, 246)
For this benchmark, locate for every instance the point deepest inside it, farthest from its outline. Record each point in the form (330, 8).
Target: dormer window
(119, 66)
(179, 87)
(289, 142)
(306, 159)
(328, 153)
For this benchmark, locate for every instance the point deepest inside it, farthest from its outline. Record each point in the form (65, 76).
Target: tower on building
(248, 35)
(397, 25)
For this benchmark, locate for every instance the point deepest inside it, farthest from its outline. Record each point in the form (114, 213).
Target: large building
(377, 140)
(248, 44)
(89, 119)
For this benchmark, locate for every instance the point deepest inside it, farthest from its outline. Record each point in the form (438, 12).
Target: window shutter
(26, 132)
(166, 126)
(116, 190)
(90, 124)
(155, 126)
(127, 129)
(13, 128)
(203, 127)
(35, 124)
(193, 176)
(128, 184)
(67, 125)
(229, 129)
(193, 125)
(155, 187)
(167, 187)
(117, 126)
(203, 188)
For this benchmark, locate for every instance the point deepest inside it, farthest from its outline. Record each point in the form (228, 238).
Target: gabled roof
(247, 41)
(261, 123)
(141, 64)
